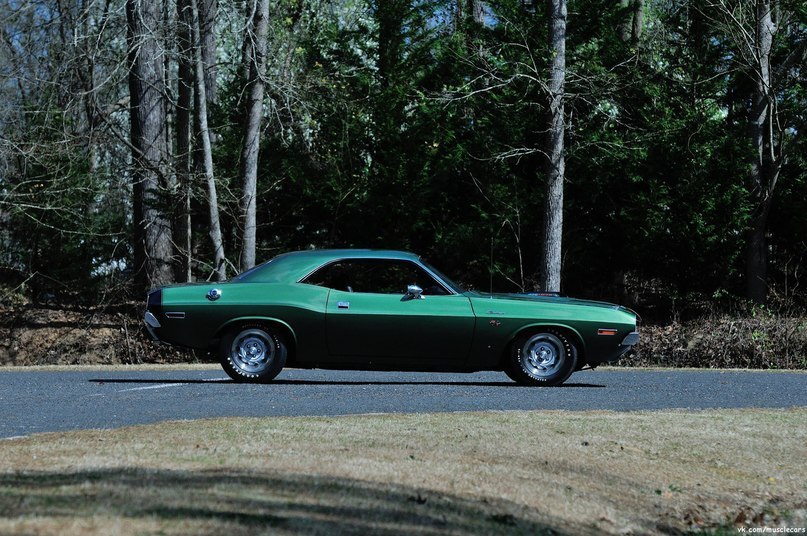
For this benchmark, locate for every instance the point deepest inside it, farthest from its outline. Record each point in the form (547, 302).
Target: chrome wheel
(252, 350)
(542, 354)
(543, 358)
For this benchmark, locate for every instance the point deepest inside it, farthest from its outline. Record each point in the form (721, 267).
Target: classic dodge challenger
(383, 310)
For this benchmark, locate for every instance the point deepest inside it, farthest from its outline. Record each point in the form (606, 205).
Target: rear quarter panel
(300, 307)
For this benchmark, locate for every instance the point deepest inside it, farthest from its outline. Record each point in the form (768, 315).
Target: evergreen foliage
(419, 125)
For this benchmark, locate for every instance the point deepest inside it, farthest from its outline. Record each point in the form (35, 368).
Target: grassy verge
(467, 473)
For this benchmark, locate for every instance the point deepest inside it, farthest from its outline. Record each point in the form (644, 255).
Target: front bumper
(631, 339)
(628, 342)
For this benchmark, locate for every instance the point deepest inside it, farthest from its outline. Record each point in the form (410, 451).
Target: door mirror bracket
(413, 292)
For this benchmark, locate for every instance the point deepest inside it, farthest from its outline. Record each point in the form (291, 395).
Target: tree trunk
(756, 261)
(555, 168)
(626, 23)
(638, 20)
(153, 241)
(255, 51)
(764, 168)
(208, 11)
(468, 10)
(200, 106)
(630, 28)
(183, 130)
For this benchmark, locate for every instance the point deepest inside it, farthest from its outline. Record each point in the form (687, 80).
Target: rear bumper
(151, 324)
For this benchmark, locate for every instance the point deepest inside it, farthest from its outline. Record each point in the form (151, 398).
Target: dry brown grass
(464, 473)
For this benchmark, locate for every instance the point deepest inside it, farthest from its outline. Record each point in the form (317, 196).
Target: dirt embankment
(34, 334)
(56, 335)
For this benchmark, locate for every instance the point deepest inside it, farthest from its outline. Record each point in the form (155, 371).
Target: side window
(376, 276)
(333, 276)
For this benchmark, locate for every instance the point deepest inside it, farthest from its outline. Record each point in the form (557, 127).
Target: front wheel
(544, 359)
(253, 354)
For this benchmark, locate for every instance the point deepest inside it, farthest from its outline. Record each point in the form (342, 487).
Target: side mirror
(413, 292)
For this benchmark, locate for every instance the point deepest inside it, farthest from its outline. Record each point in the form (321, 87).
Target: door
(385, 326)
(371, 318)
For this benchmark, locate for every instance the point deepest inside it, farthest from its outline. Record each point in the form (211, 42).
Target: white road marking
(160, 386)
(164, 385)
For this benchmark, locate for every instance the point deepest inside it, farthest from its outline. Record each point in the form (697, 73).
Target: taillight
(154, 302)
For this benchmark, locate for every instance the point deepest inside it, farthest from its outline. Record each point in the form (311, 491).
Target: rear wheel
(253, 353)
(544, 358)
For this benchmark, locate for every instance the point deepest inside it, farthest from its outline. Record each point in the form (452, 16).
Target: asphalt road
(33, 401)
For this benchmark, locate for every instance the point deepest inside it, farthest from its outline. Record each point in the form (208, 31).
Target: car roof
(293, 266)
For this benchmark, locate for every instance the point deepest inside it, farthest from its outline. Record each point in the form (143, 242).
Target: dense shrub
(764, 341)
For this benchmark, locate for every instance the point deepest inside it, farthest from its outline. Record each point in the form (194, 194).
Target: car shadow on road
(415, 382)
(101, 381)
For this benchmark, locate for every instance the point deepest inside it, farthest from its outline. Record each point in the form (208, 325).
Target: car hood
(544, 299)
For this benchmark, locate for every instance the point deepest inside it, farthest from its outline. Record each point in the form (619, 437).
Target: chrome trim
(323, 265)
(151, 320)
(631, 338)
(175, 314)
(439, 281)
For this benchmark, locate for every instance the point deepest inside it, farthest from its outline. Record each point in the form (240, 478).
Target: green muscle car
(383, 310)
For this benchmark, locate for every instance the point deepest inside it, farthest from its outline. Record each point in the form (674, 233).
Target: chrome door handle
(343, 305)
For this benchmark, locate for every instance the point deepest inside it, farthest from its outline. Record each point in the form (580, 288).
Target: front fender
(578, 340)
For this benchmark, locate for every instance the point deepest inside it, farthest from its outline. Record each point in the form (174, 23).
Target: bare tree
(766, 164)
(200, 107)
(752, 28)
(255, 66)
(153, 245)
(555, 168)
(185, 75)
(208, 11)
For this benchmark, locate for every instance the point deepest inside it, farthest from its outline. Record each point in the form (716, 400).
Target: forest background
(145, 143)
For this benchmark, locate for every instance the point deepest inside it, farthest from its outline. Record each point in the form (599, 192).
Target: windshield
(451, 284)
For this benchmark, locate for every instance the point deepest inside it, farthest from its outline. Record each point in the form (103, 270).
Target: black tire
(544, 358)
(253, 353)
